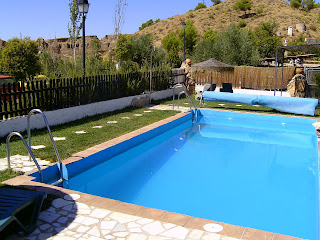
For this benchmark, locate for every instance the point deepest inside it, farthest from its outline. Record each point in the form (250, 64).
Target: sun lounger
(13, 201)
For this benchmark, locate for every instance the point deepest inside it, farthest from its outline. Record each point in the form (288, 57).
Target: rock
(140, 102)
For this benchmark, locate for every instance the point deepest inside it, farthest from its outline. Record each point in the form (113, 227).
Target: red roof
(4, 76)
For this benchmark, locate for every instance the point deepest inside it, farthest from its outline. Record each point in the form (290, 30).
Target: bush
(242, 23)
(200, 5)
(313, 27)
(295, 3)
(258, 10)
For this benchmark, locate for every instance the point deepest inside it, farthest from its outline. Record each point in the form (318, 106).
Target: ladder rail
(190, 102)
(28, 149)
(50, 134)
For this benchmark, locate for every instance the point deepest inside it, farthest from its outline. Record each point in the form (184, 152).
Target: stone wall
(63, 45)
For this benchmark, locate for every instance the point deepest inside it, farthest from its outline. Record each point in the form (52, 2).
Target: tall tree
(120, 11)
(142, 48)
(267, 39)
(124, 48)
(74, 25)
(309, 4)
(20, 58)
(171, 42)
(234, 46)
(191, 36)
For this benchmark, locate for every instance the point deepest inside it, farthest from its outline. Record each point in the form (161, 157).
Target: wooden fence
(260, 78)
(18, 99)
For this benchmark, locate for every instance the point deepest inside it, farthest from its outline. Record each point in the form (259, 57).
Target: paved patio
(71, 219)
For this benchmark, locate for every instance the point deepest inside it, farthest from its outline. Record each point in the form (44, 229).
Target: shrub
(313, 27)
(200, 5)
(191, 14)
(258, 10)
(295, 3)
(242, 23)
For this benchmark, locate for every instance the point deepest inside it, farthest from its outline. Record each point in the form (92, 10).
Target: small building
(290, 31)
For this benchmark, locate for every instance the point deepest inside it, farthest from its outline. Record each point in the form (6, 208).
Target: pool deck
(76, 215)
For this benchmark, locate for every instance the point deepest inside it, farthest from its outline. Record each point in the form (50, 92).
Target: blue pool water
(244, 169)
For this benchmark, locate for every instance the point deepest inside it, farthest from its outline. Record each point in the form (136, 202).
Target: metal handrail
(51, 137)
(187, 95)
(28, 148)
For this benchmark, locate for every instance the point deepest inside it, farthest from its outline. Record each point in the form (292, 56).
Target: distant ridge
(222, 15)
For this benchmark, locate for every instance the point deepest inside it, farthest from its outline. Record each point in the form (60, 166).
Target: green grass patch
(7, 174)
(93, 136)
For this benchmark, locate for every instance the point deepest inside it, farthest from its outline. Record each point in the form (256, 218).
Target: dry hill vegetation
(220, 16)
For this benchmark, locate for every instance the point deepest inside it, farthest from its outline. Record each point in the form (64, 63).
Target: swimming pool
(250, 170)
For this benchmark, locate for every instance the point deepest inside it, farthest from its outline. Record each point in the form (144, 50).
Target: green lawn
(93, 136)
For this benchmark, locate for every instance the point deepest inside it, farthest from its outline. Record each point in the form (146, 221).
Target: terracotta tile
(81, 154)
(86, 198)
(175, 218)
(253, 234)
(198, 223)
(128, 208)
(151, 213)
(107, 203)
(284, 237)
(71, 160)
(17, 180)
(232, 230)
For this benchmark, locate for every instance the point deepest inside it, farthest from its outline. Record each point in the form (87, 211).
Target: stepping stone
(221, 104)
(80, 132)
(212, 227)
(59, 138)
(97, 127)
(138, 115)
(38, 147)
(125, 117)
(147, 111)
(26, 169)
(112, 122)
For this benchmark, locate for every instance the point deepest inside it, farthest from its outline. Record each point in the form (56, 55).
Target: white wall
(65, 115)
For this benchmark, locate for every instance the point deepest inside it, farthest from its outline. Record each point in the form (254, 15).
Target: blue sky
(49, 19)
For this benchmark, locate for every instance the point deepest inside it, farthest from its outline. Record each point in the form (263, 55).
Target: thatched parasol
(211, 65)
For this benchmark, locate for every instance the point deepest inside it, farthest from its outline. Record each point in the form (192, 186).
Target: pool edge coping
(229, 230)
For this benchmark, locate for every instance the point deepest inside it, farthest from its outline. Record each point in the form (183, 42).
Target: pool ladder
(62, 168)
(190, 102)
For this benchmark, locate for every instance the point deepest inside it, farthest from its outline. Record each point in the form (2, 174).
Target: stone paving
(68, 219)
(22, 163)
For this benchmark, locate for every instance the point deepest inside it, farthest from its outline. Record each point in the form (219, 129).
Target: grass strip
(113, 124)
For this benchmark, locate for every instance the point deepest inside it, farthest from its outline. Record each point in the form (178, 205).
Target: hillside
(214, 17)
(220, 16)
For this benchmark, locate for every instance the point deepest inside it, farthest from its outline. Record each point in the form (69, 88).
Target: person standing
(190, 82)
